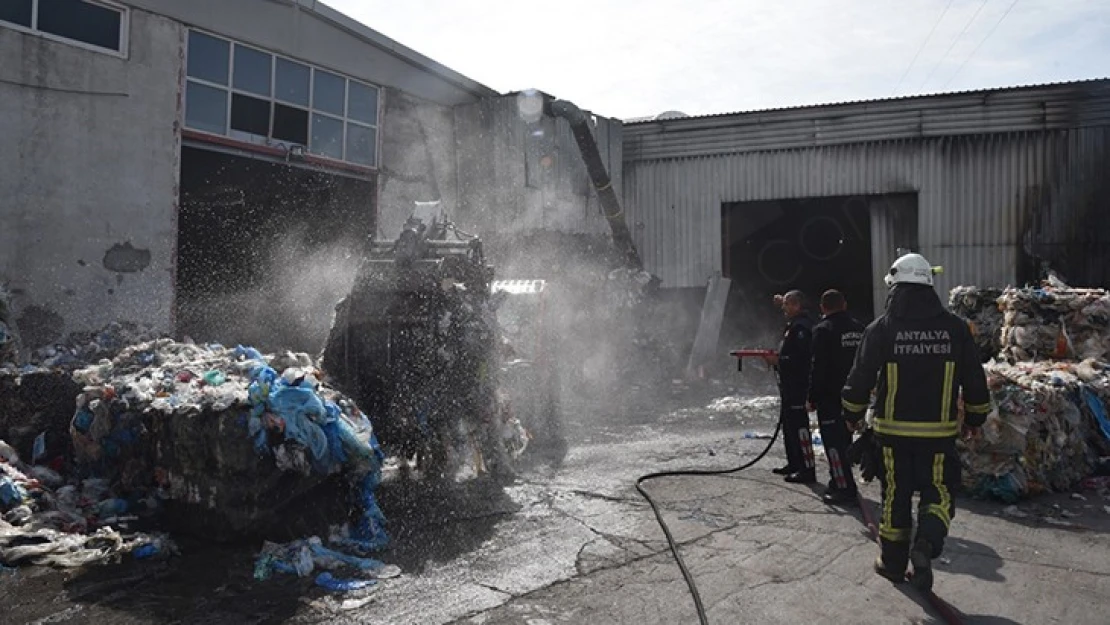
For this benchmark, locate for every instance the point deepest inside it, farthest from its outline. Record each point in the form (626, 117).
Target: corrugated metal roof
(644, 119)
(1018, 109)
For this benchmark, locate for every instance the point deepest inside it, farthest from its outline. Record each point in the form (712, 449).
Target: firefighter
(921, 357)
(793, 362)
(835, 340)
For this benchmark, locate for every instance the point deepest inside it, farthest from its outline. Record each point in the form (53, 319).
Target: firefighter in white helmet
(917, 357)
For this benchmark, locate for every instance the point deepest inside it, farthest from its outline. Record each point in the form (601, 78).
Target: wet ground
(570, 541)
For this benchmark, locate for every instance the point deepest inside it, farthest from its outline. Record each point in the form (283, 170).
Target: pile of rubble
(1050, 385)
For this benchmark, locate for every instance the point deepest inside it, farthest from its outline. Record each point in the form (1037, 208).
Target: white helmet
(912, 269)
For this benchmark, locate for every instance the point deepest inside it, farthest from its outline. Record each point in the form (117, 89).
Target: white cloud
(623, 58)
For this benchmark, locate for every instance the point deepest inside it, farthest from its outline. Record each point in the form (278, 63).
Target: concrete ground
(572, 542)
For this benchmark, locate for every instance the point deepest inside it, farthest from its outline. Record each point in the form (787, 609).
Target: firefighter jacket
(795, 354)
(921, 356)
(835, 340)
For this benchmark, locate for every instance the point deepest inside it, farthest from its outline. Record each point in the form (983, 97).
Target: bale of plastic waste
(981, 308)
(224, 442)
(1048, 430)
(1054, 321)
(36, 406)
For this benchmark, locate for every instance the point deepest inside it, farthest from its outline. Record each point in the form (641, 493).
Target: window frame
(124, 29)
(269, 141)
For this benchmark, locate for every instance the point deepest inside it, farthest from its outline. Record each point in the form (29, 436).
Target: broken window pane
(208, 58)
(250, 115)
(362, 103)
(205, 108)
(361, 144)
(81, 21)
(252, 70)
(328, 92)
(327, 136)
(290, 124)
(16, 12)
(292, 83)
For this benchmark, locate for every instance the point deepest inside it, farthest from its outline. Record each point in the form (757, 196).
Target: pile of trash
(202, 439)
(223, 438)
(37, 390)
(1048, 431)
(1050, 384)
(980, 307)
(303, 557)
(1055, 322)
(48, 520)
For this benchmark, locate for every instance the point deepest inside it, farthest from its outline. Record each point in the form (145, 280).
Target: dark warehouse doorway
(265, 249)
(810, 244)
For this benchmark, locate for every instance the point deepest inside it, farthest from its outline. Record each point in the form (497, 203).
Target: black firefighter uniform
(795, 359)
(921, 356)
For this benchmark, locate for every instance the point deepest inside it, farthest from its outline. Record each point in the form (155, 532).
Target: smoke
(609, 350)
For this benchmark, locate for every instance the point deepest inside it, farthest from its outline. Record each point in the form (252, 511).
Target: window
(252, 95)
(98, 25)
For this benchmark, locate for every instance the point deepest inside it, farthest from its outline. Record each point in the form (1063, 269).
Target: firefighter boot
(892, 561)
(922, 559)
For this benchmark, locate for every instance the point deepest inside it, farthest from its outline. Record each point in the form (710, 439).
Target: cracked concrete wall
(417, 160)
(88, 179)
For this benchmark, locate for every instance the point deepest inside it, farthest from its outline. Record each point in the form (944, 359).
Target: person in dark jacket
(793, 361)
(918, 357)
(835, 340)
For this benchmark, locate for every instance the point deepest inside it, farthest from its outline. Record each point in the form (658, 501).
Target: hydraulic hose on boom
(599, 176)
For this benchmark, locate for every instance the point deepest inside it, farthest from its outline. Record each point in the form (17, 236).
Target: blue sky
(625, 59)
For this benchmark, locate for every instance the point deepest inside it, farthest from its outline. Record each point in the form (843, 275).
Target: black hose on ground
(666, 530)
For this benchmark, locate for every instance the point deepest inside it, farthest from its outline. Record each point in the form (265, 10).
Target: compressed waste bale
(221, 440)
(981, 308)
(37, 402)
(1047, 432)
(1054, 321)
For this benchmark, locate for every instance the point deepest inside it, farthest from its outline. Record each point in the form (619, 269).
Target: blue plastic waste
(146, 551)
(11, 494)
(248, 353)
(38, 450)
(326, 581)
(1098, 409)
(111, 507)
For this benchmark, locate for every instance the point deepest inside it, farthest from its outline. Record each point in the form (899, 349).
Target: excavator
(442, 356)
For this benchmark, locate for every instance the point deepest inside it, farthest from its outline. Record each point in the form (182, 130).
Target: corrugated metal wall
(976, 194)
(516, 177)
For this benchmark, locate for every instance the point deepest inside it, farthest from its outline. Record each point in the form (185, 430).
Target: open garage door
(810, 244)
(265, 249)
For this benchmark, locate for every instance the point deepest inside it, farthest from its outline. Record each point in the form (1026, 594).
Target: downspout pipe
(599, 176)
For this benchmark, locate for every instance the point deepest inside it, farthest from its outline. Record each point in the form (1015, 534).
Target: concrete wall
(418, 159)
(314, 33)
(517, 177)
(88, 179)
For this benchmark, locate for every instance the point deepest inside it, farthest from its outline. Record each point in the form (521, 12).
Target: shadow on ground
(432, 522)
(208, 585)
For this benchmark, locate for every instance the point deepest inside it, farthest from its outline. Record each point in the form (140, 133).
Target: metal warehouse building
(993, 185)
(213, 167)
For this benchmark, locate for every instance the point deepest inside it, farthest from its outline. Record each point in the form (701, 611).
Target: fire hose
(740, 355)
(947, 612)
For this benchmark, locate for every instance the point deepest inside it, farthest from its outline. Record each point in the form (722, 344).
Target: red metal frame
(247, 146)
